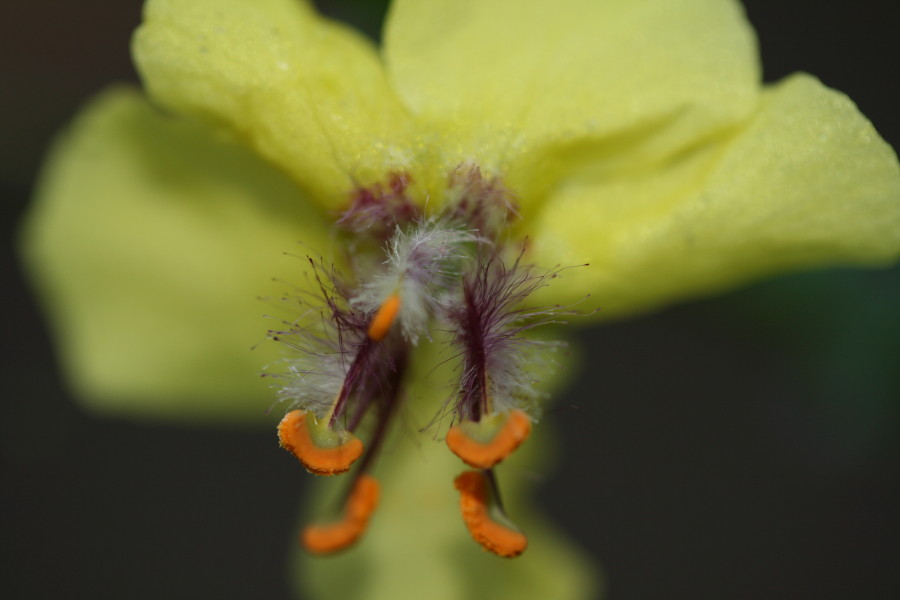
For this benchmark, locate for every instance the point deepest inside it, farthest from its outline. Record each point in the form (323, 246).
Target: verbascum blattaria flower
(487, 170)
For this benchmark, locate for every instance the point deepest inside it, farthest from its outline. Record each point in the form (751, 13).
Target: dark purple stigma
(380, 208)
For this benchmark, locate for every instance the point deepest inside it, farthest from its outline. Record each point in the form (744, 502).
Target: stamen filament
(353, 375)
(477, 356)
(393, 396)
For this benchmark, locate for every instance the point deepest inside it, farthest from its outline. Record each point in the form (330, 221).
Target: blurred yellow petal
(306, 93)
(151, 242)
(533, 90)
(807, 182)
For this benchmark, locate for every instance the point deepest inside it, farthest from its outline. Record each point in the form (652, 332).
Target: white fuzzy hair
(423, 265)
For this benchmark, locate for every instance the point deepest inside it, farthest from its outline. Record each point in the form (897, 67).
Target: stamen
(321, 449)
(384, 318)
(484, 517)
(485, 443)
(325, 539)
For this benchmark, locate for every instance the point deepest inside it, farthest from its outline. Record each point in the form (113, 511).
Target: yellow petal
(533, 90)
(307, 93)
(807, 182)
(151, 241)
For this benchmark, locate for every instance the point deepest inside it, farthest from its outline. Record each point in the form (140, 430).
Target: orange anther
(334, 456)
(325, 539)
(384, 318)
(485, 454)
(475, 503)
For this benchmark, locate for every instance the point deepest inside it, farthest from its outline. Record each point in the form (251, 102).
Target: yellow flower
(633, 135)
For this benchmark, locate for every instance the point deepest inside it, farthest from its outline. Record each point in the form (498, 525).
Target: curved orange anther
(474, 501)
(384, 318)
(295, 437)
(484, 455)
(325, 539)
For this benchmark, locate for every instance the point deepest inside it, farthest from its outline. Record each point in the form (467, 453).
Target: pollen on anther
(485, 453)
(476, 502)
(384, 318)
(329, 456)
(332, 537)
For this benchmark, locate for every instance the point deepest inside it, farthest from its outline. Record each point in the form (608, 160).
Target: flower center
(411, 274)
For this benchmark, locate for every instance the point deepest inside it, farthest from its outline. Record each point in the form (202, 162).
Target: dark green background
(742, 447)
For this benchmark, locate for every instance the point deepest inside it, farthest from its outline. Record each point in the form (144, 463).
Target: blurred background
(741, 447)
